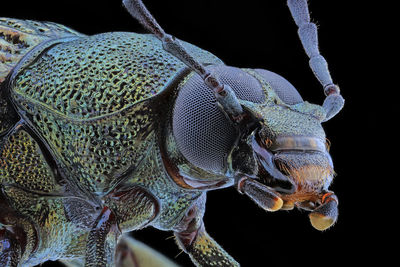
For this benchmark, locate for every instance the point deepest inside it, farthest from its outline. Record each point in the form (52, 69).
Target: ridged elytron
(105, 134)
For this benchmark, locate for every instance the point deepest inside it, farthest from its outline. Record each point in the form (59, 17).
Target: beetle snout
(307, 163)
(294, 165)
(298, 167)
(311, 171)
(307, 167)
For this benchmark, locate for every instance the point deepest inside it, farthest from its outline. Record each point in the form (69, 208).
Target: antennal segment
(223, 92)
(308, 34)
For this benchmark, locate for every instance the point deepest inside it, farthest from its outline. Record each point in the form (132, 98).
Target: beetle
(133, 130)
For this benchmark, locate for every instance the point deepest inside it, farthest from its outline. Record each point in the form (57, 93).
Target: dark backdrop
(250, 34)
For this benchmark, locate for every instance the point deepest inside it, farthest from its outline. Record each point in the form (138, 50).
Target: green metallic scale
(101, 135)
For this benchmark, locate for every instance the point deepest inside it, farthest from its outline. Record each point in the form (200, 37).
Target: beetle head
(290, 150)
(279, 144)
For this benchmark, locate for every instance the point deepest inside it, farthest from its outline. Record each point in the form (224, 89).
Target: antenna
(308, 34)
(223, 92)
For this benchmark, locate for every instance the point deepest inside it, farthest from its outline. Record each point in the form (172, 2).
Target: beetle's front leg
(203, 250)
(102, 239)
(195, 241)
(125, 210)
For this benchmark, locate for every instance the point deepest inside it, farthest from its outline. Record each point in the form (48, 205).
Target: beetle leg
(192, 237)
(73, 262)
(202, 249)
(133, 253)
(264, 196)
(124, 210)
(102, 240)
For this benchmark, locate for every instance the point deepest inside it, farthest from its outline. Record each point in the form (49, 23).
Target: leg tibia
(133, 253)
(204, 251)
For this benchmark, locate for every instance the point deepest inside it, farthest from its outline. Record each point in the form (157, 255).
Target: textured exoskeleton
(105, 134)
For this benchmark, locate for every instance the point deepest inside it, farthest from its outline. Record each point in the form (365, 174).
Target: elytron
(106, 134)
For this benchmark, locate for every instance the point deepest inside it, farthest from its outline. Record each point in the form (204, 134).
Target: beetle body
(105, 134)
(79, 120)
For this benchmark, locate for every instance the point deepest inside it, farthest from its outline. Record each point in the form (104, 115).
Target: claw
(325, 215)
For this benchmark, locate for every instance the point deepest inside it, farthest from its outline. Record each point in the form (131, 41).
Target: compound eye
(284, 89)
(203, 134)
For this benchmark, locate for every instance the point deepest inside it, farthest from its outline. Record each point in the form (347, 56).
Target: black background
(255, 35)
